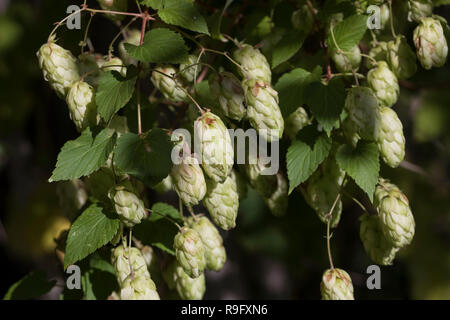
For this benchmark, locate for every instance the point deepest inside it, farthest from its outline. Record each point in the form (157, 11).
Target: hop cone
(72, 196)
(401, 58)
(88, 66)
(385, 15)
(170, 88)
(190, 68)
(58, 67)
(348, 61)
(430, 42)
(322, 190)
(362, 105)
(262, 109)
(303, 19)
(377, 247)
(419, 9)
(214, 146)
(384, 83)
(295, 122)
(396, 219)
(228, 91)
(336, 285)
(82, 107)
(215, 254)
(139, 288)
(190, 252)
(254, 63)
(114, 5)
(264, 184)
(114, 64)
(134, 38)
(188, 181)
(379, 52)
(222, 202)
(241, 184)
(390, 138)
(350, 130)
(187, 288)
(121, 259)
(278, 201)
(127, 204)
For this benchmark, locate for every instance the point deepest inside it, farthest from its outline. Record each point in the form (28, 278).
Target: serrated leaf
(160, 45)
(91, 230)
(159, 234)
(361, 163)
(154, 4)
(183, 13)
(161, 209)
(304, 156)
(84, 155)
(114, 91)
(146, 158)
(287, 47)
(291, 87)
(348, 33)
(326, 102)
(32, 286)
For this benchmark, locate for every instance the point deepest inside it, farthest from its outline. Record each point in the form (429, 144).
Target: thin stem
(86, 32)
(129, 254)
(356, 201)
(392, 19)
(196, 65)
(138, 82)
(229, 58)
(375, 62)
(191, 211)
(111, 45)
(64, 20)
(180, 205)
(123, 13)
(165, 217)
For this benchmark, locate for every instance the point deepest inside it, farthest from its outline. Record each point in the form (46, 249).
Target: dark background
(268, 257)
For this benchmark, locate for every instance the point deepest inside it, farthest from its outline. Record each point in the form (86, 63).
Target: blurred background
(268, 257)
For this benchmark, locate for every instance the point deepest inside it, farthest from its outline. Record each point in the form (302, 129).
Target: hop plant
(222, 202)
(385, 15)
(190, 252)
(419, 9)
(377, 247)
(82, 106)
(89, 67)
(362, 105)
(114, 64)
(126, 259)
(303, 19)
(278, 201)
(188, 181)
(189, 69)
(134, 38)
(58, 66)
(350, 131)
(215, 254)
(187, 288)
(401, 58)
(169, 87)
(139, 288)
(384, 83)
(431, 44)
(114, 5)
(262, 109)
(128, 206)
(347, 61)
(295, 122)
(253, 62)
(336, 285)
(396, 219)
(215, 147)
(379, 52)
(227, 89)
(390, 138)
(165, 185)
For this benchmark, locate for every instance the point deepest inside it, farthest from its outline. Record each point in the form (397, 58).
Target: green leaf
(159, 234)
(161, 209)
(154, 4)
(32, 286)
(160, 45)
(326, 102)
(441, 2)
(84, 155)
(114, 91)
(217, 22)
(291, 87)
(349, 32)
(287, 47)
(91, 230)
(305, 154)
(183, 13)
(146, 158)
(361, 163)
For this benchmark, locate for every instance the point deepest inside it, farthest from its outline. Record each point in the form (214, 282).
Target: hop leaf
(190, 252)
(336, 285)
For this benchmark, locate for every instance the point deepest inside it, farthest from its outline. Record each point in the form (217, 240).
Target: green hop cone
(114, 64)
(263, 111)
(190, 252)
(322, 189)
(227, 89)
(188, 181)
(114, 5)
(419, 9)
(253, 62)
(431, 44)
(121, 258)
(72, 196)
(401, 58)
(58, 66)
(385, 15)
(350, 131)
(139, 288)
(82, 106)
(348, 61)
(170, 88)
(384, 83)
(377, 247)
(303, 19)
(189, 288)
(190, 69)
(396, 219)
(336, 285)
(390, 138)
(444, 26)
(215, 146)
(88, 66)
(362, 106)
(265, 184)
(379, 52)
(128, 206)
(295, 122)
(278, 201)
(241, 184)
(215, 254)
(222, 202)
